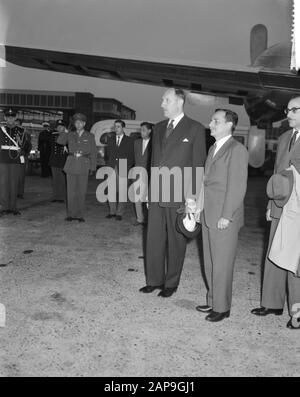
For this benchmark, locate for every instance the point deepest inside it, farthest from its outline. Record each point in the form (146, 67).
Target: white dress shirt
(298, 133)
(220, 142)
(176, 120)
(145, 143)
(120, 137)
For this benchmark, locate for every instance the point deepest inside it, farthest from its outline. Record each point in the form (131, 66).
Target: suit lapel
(209, 159)
(222, 149)
(296, 145)
(172, 142)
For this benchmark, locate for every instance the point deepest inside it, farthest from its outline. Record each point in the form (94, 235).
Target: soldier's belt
(7, 147)
(79, 155)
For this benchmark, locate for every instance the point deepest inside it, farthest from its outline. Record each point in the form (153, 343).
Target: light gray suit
(275, 278)
(225, 184)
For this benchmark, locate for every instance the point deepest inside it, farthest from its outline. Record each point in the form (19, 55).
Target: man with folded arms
(276, 280)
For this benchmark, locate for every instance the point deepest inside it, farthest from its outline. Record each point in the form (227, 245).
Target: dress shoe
(15, 212)
(204, 308)
(216, 316)
(109, 216)
(69, 219)
(291, 326)
(148, 288)
(80, 219)
(118, 218)
(263, 311)
(167, 292)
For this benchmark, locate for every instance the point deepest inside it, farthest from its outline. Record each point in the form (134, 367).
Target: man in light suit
(277, 281)
(178, 142)
(225, 184)
(119, 147)
(142, 158)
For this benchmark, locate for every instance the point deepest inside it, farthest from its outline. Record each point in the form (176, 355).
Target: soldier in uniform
(81, 162)
(44, 147)
(26, 151)
(11, 147)
(58, 156)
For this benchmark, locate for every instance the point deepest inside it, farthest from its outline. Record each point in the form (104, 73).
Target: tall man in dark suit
(119, 148)
(277, 281)
(142, 158)
(225, 184)
(178, 142)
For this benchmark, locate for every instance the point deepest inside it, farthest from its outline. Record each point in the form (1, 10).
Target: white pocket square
(185, 140)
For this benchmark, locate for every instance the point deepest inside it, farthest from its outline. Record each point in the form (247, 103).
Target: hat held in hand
(280, 186)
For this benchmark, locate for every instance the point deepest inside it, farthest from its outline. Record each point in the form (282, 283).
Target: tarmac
(73, 306)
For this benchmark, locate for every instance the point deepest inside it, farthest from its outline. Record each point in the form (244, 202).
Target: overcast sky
(209, 31)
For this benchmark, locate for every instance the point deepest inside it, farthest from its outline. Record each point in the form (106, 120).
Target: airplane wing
(234, 82)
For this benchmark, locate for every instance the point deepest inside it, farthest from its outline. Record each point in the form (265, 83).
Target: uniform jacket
(284, 159)
(225, 183)
(12, 156)
(185, 147)
(58, 154)
(123, 151)
(85, 145)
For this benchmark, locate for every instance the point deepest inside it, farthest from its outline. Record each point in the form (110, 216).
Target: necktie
(118, 140)
(169, 129)
(293, 140)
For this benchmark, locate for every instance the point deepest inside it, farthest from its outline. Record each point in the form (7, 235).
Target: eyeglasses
(293, 110)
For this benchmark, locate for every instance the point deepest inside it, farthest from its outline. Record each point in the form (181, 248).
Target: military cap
(79, 116)
(10, 112)
(60, 122)
(280, 186)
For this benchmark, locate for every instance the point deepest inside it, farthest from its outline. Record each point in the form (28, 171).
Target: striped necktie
(169, 129)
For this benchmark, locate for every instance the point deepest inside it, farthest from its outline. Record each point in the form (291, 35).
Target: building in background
(39, 106)
(35, 107)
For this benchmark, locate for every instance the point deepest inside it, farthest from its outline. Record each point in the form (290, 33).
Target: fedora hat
(280, 186)
(186, 225)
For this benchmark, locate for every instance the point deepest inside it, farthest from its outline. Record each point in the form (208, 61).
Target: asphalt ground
(73, 306)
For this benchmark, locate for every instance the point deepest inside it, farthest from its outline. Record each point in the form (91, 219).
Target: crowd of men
(212, 196)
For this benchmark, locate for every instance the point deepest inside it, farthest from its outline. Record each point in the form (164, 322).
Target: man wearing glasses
(277, 281)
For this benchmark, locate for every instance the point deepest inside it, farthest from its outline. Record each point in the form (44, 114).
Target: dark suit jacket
(225, 183)
(123, 151)
(185, 147)
(284, 159)
(142, 160)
